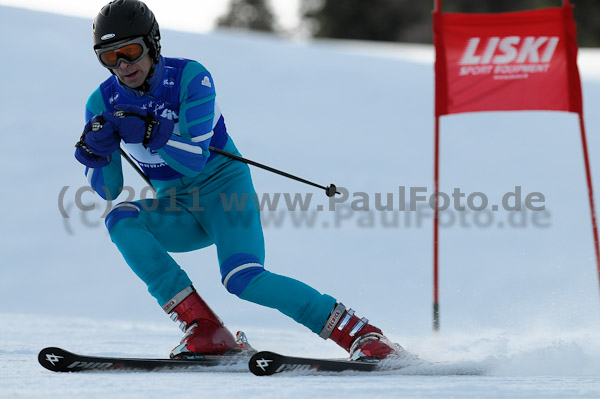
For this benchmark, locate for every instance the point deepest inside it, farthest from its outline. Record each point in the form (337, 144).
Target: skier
(162, 111)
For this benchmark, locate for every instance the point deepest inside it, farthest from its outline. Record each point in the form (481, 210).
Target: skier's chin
(133, 79)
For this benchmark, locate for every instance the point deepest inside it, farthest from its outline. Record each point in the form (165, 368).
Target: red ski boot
(363, 341)
(205, 333)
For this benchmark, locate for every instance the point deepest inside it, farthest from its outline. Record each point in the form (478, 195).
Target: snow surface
(519, 296)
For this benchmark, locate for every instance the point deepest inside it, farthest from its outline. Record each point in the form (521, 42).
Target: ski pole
(330, 190)
(137, 169)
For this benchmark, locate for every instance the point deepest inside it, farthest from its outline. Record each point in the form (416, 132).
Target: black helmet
(127, 19)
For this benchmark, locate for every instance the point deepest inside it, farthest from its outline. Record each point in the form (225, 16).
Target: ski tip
(264, 363)
(50, 358)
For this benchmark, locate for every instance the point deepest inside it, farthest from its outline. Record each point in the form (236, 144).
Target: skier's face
(134, 75)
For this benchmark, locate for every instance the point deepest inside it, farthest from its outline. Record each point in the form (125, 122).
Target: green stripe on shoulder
(95, 103)
(190, 71)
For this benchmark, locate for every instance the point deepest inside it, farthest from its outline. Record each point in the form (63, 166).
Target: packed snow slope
(518, 286)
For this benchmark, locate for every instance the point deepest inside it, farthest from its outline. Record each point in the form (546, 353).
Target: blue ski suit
(199, 197)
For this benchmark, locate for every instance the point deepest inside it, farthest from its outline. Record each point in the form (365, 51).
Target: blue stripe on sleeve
(190, 157)
(201, 128)
(200, 113)
(183, 162)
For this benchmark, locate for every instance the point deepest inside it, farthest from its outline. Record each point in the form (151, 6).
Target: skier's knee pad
(238, 270)
(122, 211)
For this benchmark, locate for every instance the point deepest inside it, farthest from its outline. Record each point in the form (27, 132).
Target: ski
(261, 364)
(269, 363)
(60, 360)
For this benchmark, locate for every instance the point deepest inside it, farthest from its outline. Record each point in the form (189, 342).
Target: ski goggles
(129, 51)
